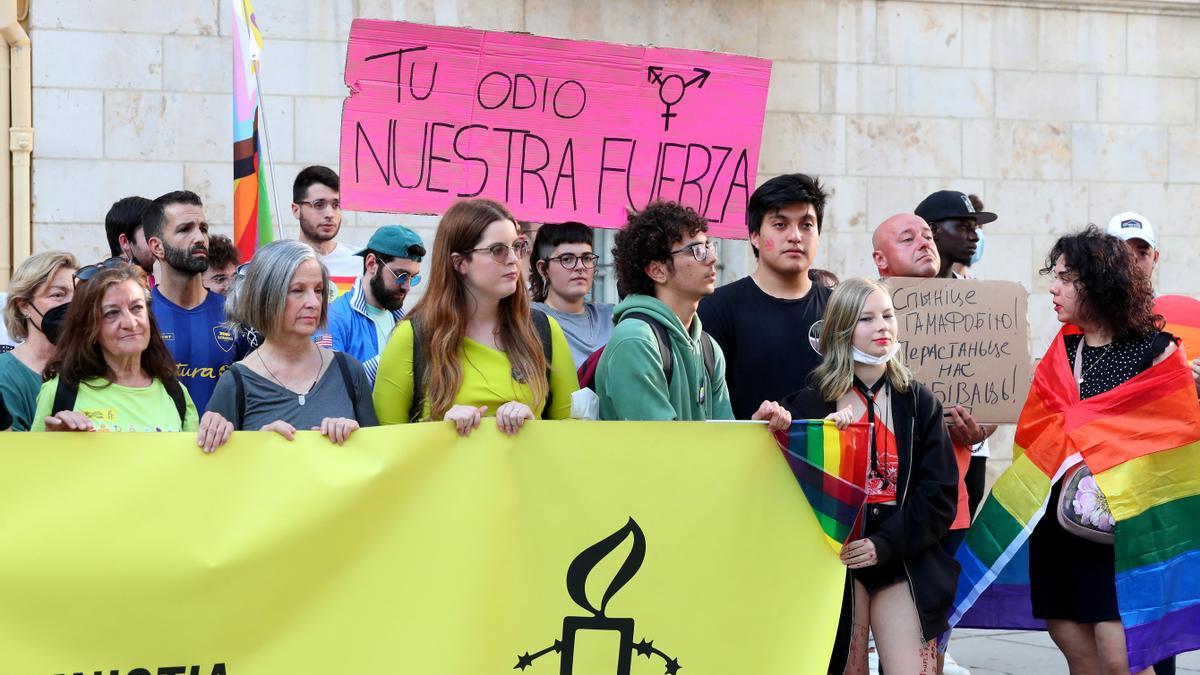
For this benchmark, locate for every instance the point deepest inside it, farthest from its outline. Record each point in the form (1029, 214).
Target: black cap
(947, 204)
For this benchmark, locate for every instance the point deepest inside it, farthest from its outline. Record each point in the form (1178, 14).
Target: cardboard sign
(555, 129)
(968, 341)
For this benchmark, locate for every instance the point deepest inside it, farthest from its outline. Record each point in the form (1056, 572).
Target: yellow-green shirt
(487, 378)
(114, 407)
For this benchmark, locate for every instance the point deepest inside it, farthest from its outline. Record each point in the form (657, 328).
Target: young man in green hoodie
(665, 264)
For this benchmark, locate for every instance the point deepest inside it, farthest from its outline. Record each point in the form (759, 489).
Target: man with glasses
(317, 204)
(190, 318)
(361, 321)
(564, 268)
(659, 363)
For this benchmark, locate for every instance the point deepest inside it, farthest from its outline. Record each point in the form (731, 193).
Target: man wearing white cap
(1138, 235)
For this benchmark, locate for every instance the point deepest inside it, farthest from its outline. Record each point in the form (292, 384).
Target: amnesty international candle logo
(577, 574)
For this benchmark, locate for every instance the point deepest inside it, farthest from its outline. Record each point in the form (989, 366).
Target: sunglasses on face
(570, 261)
(404, 278)
(499, 252)
(87, 272)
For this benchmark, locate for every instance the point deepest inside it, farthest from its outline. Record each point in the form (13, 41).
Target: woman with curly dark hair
(1097, 289)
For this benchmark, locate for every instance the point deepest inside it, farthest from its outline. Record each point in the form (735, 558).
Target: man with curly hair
(659, 363)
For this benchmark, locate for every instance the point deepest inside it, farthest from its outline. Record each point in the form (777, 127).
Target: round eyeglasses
(499, 252)
(570, 261)
(405, 278)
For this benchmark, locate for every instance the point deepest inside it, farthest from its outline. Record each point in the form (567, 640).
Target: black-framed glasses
(88, 271)
(570, 261)
(499, 252)
(320, 204)
(701, 250)
(405, 278)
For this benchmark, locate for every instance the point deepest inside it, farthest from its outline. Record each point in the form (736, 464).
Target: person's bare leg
(1077, 642)
(1110, 646)
(897, 630)
(856, 662)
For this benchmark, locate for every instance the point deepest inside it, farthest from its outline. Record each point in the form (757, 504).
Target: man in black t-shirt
(763, 321)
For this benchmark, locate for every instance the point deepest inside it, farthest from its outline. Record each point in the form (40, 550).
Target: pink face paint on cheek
(769, 245)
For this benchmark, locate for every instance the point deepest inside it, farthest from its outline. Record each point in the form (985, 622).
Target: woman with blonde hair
(903, 581)
(472, 346)
(38, 296)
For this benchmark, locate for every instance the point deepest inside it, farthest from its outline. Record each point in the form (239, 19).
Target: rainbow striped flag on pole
(831, 467)
(1142, 443)
(251, 208)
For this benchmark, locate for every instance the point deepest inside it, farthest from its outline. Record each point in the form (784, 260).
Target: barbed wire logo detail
(672, 88)
(577, 574)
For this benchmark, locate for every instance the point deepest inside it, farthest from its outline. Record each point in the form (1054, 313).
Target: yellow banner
(574, 548)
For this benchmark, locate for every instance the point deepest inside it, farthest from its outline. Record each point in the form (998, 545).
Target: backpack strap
(664, 342)
(347, 379)
(239, 393)
(64, 397)
(418, 370)
(175, 391)
(541, 324)
(710, 354)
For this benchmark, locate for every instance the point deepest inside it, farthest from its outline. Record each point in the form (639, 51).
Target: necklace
(1080, 372)
(299, 397)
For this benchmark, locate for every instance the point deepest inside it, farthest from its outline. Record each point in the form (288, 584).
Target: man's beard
(182, 259)
(383, 294)
(313, 231)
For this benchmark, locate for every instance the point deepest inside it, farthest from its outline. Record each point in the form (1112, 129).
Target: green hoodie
(630, 379)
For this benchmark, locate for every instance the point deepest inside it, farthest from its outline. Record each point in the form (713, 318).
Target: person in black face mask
(38, 296)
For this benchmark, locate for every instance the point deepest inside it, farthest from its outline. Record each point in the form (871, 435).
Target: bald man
(904, 247)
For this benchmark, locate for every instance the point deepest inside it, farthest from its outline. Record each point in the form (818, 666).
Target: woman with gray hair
(289, 383)
(38, 295)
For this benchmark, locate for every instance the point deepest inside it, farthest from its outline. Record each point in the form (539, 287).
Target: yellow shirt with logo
(114, 407)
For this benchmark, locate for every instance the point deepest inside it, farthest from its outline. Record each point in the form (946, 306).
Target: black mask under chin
(52, 321)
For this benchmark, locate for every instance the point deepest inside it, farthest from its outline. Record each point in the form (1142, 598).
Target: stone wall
(1055, 116)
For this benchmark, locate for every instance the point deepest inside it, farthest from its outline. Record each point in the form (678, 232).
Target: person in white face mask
(903, 580)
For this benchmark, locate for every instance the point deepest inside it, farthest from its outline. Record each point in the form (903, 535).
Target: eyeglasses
(570, 261)
(701, 250)
(87, 272)
(499, 252)
(320, 204)
(405, 278)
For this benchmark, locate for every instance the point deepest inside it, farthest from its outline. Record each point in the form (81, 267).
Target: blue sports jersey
(201, 341)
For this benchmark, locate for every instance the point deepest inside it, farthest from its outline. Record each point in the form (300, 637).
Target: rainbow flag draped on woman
(1142, 442)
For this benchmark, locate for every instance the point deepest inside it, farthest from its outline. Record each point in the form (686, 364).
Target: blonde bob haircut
(835, 375)
(33, 273)
(260, 288)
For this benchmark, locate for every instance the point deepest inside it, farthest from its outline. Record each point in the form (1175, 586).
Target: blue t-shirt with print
(201, 341)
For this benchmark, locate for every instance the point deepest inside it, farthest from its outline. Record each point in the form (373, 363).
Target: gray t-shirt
(266, 401)
(585, 332)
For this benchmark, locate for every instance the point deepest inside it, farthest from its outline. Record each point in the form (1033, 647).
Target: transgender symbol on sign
(577, 574)
(672, 87)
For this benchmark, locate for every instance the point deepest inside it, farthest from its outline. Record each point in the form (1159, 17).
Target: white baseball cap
(1130, 225)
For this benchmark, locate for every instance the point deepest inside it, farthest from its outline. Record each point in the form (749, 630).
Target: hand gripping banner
(574, 547)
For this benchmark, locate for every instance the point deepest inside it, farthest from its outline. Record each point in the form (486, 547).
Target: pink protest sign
(556, 129)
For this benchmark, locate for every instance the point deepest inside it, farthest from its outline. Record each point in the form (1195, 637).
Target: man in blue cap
(361, 321)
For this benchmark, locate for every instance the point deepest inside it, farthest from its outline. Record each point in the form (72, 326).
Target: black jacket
(927, 495)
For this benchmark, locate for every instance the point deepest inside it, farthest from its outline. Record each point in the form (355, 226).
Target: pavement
(1014, 652)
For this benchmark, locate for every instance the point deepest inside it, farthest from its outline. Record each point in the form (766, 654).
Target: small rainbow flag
(831, 466)
(1142, 442)
(251, 210)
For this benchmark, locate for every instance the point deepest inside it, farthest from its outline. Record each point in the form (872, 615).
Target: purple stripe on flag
(1175, 633)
